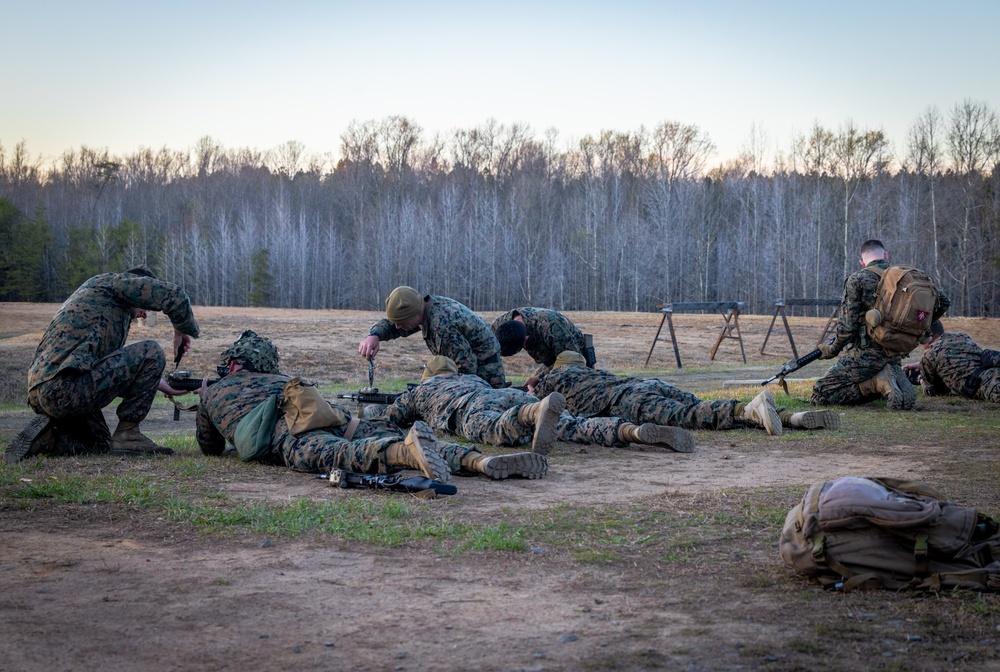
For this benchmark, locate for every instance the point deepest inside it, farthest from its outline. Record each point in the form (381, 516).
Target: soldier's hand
(826, 352)
(182, 343)
(164, 387)
(369, 346)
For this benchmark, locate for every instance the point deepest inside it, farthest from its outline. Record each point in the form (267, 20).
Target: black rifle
(371, 395)
(185, 381)
(791, 366)
(392, 482)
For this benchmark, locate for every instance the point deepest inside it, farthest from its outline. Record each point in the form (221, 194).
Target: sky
(127, 75)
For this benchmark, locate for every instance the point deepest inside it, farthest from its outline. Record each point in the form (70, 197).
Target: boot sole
(420, 440)
(21, 444)
(545, 428)
(769, 418)
(820, 420)
(907, 393)
(676, 439)
(525, 465)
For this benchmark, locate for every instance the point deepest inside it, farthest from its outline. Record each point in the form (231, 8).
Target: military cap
(403, 303)
(567, 357)
(437, 365)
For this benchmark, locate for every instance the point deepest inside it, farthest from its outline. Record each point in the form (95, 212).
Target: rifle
(371, 395)
(791, 366)
(185, 380)
(393, 482)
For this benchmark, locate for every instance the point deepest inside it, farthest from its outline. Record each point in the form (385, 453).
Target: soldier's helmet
(257, 353)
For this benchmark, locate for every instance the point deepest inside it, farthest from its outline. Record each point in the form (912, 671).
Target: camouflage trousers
(840, 384)
(320, 450)
(661, 403)
(491, 418)
(989, 386)
(590, 431)
(75, 398)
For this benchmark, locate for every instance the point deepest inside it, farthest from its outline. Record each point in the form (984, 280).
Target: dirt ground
(99, 589)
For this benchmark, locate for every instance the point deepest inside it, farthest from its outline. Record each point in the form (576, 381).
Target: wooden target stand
(730, 311)
(779, 309)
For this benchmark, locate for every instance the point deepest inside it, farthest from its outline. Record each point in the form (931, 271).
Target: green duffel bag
(252, 437)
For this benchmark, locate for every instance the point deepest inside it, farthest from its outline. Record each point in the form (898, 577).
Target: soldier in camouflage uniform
(464, 405)
(542, 333)
(955, 364)
(82, 364)
(449, 329)
(359, 445)
(595, 393)
(865, 372)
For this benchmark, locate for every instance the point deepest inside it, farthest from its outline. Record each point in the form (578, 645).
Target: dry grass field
(620, 559)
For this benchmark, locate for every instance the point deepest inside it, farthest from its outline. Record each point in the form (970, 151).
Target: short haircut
(937, 329)
(511, 335)
(142, 270)
(872, 245)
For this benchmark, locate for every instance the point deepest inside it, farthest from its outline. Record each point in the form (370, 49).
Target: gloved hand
(825, 349)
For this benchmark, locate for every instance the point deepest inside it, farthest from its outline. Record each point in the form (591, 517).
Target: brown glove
(827, 352)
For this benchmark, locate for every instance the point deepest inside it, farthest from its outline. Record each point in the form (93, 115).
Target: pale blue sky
(121, 75)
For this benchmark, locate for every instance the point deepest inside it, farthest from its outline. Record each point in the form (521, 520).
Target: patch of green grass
(500, 537)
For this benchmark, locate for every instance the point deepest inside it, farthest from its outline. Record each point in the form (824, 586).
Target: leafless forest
(498, 216)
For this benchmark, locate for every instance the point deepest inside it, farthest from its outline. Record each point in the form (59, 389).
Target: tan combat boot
(822, 419)
(497, 467)
(543, 415)
(128, 440)
(677, 439)
(762, 411)
(884, 385)
(418, 452)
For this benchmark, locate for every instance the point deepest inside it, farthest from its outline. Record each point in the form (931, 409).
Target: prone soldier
(953, 363)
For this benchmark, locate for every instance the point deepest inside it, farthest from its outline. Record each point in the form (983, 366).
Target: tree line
(497, 217)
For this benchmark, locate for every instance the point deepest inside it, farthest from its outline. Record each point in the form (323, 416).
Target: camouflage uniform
(954, 364)
(452, 330)
(466, 406)
(863, 359)
(549, 333)
(595, 392)
(82, 363)
(226, 402)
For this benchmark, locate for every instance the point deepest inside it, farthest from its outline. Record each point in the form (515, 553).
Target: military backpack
(904, 309)
(864, 533)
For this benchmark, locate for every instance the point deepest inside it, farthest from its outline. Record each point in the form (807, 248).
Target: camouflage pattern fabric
(452, 330)
(954, 361)
(467, 406)
(863, 359)
(549, 333)
(595, 392)
(94, 322)
(226, 402)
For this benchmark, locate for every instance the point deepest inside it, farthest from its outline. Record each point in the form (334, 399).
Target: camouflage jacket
(948, 364)
(859, 298)
(454, 331)
(436, 400)
(226, 402)
(549, 333)
(94, 321)
(588, 392)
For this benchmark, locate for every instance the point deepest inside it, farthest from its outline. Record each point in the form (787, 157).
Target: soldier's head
(872, 250)
(569, 358)
(439, 366)
(405, 308)
(937, 331)
(512, 334)
(251, 353)
(141, 270)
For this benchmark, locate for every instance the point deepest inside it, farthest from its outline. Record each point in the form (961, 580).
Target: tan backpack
(863, 533)
(904, 309)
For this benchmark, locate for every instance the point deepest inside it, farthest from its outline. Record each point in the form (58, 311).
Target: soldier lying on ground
(449, 329)
(595, 392)
(953, 363)
(467, 406)
(364, 446)
(82, 364)
(542, 333)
